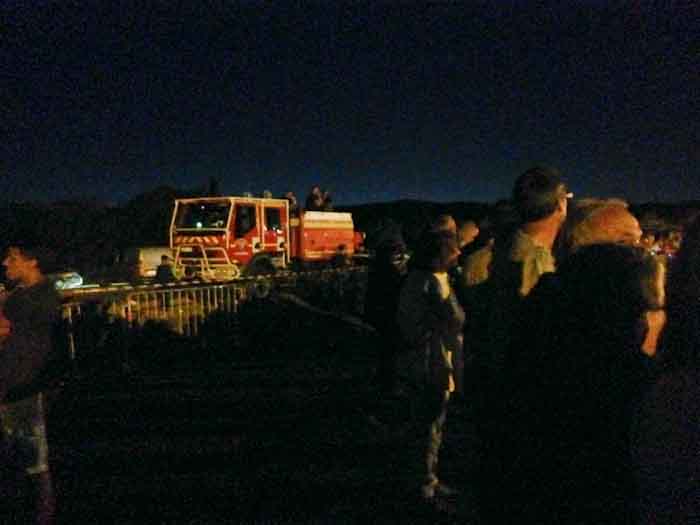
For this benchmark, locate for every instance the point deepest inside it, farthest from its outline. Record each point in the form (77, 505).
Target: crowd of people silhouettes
(575, 345)
(575, 352)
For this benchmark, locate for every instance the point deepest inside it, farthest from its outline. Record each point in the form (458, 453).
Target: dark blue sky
(407, 100)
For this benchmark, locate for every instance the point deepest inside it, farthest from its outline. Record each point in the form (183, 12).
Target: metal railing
(184, 307)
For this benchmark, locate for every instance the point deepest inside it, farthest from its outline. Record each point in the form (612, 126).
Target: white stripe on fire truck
(338, 225)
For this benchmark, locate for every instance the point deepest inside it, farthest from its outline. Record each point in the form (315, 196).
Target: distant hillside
(87, 234)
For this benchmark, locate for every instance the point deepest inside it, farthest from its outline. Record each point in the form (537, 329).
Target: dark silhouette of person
(386, 273)
(31, 312)
(493, 296)
(314, 201)
(666, 430)
(293, 204)
(165, 272)
(327, 201)
(575, 376)
(430, 321)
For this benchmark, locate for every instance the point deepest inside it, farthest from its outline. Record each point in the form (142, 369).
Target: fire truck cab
(219, 238)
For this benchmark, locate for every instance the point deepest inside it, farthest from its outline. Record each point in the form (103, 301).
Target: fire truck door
(273, 231)
(247, 228)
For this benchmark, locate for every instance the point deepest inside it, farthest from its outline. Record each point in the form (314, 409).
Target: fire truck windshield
(202, 215)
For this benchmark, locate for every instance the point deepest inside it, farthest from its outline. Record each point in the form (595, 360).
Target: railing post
(67, 316)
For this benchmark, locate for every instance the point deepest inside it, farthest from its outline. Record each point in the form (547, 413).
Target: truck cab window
(202, 216)
(273, 218)
(245, 219)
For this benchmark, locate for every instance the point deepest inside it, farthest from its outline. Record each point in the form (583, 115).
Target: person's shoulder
(477, 255)
(520, 246)
(40, 296)
(480, 257)
(48, 291)
(476, 265)
(44, 288)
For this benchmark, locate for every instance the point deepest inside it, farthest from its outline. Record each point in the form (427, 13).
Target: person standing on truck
(31, 310)
(315, 201)
(293, 204)
(327, 201)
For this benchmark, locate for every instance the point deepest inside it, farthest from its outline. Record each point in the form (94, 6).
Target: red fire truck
(220, 238)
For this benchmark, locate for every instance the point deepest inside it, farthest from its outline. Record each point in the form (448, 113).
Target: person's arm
(656, 320)
(449, 313)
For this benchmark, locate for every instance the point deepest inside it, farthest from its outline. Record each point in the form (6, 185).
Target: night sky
(374, 101)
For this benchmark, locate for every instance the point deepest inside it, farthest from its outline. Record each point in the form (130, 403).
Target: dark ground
(269, 425)
(258, 451)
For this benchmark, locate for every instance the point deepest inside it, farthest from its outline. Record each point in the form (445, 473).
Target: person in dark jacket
(31, 310)
(314, 201)
(386, 273)
(666, 430)
(165, 273)
(578, 374)
(430, 320)
(293, 204)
